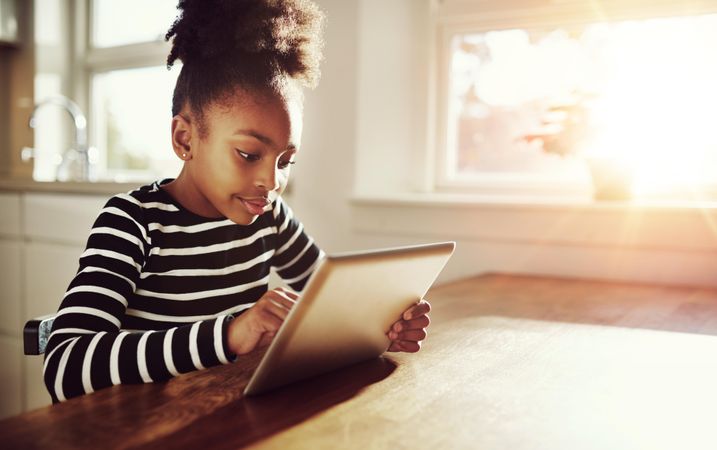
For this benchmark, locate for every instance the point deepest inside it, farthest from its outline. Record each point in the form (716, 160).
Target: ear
(182, 137)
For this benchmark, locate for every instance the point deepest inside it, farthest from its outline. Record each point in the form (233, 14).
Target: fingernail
(397, 327)
(407, 315)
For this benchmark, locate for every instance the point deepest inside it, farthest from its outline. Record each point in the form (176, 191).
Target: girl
(175, 274)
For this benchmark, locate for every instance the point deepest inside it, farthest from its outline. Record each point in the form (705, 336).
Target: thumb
(266, 338)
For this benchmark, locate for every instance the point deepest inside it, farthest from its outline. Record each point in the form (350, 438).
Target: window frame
(89, 61)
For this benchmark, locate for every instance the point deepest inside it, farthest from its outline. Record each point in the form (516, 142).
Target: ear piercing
(184, 156)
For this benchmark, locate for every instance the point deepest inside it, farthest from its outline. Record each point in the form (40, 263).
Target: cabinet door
(56, 228)
(49, 268)
(9, 214)
(61, 218)
(11, 319)
(36, 395)
(11, 380)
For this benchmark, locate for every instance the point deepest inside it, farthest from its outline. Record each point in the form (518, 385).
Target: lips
(255, 206)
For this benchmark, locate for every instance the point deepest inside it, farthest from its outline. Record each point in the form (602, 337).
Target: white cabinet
(11, 373)
(10, 214)
(49, 269)
(10, 287)
(61, 218)
(11, 376)
(35, 393)
(10, 264)
(56, 230)
(41, 238)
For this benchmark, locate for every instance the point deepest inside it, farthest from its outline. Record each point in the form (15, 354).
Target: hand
(407, 333)
(257, 326)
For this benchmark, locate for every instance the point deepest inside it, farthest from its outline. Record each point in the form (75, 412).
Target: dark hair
(250, 44)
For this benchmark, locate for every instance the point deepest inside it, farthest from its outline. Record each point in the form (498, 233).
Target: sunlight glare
(656, 112)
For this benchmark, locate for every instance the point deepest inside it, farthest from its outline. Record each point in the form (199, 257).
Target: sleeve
(296, 256)
(87, 350)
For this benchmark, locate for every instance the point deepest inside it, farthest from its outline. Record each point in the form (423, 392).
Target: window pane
(647, 89)
(501, 84)
(51, 135)
(54, 131)
(130, 21)
(132, 113)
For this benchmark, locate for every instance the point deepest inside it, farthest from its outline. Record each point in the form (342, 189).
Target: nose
(268, 177)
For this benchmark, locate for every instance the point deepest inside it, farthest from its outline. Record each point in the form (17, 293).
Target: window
(118, 76)
(130, 89)
(147, 21)
(134, 127)
(642, 88)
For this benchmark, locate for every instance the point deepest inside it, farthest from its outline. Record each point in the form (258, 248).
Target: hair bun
(287, 33)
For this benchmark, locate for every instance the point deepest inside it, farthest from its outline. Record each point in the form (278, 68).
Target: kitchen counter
(69, 187)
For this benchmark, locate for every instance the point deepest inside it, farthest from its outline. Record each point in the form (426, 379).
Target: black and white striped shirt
(157, 286)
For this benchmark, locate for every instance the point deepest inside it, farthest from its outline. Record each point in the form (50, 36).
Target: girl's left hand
(407, 333)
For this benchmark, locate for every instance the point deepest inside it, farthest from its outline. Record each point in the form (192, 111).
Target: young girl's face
(242, 163)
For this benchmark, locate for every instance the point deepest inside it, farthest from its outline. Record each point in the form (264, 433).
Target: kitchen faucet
(79, 156)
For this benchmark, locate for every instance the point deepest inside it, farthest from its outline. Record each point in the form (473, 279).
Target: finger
(409, 346)
(274, 308)
(419, 309)
(395, 347)
(420, 322)
(286, 298)
(279, 301)
(293, 295)
(412, 335)
(266, 339)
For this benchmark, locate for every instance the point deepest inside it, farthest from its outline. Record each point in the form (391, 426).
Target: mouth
(255, 206)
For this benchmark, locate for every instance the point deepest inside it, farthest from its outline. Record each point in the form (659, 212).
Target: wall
(366, 159)
(364, 118)
(322, 180)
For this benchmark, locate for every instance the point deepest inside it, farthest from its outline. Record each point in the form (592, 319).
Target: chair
(36, 334)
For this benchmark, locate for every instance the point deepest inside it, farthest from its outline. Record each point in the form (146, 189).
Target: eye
(285, 164)
(251, 157)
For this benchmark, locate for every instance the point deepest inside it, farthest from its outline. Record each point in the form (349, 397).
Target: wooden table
(511, 363)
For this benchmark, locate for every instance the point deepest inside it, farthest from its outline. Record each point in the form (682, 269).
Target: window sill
(647, 225)
(526, 202)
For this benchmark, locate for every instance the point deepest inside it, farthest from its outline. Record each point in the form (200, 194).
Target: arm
(86, 350)
(296, 258)
(296, 254)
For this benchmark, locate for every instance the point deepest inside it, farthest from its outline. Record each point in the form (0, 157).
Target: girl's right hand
(257, 326)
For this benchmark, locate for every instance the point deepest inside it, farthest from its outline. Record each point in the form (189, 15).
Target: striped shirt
(157, 286)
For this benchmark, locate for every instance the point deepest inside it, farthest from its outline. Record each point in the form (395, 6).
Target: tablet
(345, 311)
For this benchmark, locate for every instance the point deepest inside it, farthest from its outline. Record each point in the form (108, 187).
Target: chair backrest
(36, 334)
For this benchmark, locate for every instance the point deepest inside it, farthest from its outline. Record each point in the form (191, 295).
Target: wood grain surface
(511, 362)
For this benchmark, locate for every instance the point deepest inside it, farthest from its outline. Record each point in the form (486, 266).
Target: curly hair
(230, 44)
